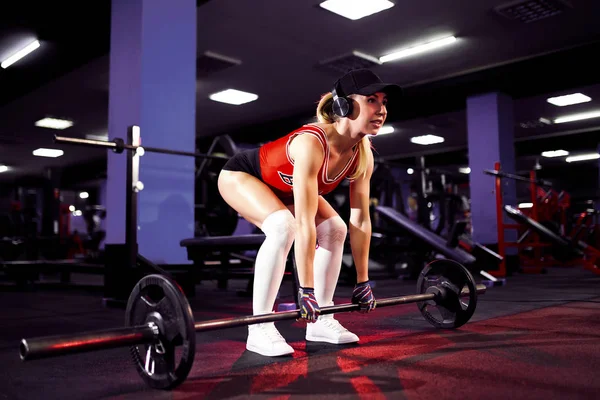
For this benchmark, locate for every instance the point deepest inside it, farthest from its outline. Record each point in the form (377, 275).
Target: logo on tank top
(287, 179)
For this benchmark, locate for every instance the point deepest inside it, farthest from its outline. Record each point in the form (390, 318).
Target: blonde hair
(325, 115)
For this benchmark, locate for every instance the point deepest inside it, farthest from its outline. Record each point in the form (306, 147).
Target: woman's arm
(307, 153)
(360, 222)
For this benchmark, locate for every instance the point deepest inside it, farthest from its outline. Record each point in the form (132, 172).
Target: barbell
(218, 218)
(118, 145)
(161, 332)
(501, 174)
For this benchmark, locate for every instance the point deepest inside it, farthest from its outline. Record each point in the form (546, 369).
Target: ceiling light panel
(52, 153)
(583, 157)
(356, 9)
(20, 54)
(54, 123)
(422, 48)
(233, 96)
(577, 117)
(555, 153)
(426, 140)
(569, 99)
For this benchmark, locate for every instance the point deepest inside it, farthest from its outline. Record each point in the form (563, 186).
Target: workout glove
(363, 296)
(309, 309)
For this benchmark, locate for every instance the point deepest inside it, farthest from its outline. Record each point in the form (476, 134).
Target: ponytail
(325, 114)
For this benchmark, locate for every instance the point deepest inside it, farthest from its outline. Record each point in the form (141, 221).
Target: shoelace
(335, 325)
(272, 333)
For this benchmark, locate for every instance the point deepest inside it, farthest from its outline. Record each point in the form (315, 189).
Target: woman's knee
(281, 225)
(223, 181)
(332, 231)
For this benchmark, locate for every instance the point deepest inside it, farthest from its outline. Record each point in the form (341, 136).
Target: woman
(279, 187)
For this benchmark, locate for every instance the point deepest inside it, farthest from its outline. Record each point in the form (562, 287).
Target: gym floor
(534, 338)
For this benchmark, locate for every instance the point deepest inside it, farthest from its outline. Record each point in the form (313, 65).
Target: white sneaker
(328, 329)
(266, 340)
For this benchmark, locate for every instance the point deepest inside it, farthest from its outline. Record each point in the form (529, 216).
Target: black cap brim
(390, 89)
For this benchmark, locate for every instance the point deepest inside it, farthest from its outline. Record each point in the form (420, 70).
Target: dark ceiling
(279, 52)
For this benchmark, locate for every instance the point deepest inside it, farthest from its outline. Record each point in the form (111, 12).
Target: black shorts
(246, 161)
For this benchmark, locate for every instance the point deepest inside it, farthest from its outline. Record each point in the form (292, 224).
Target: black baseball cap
(365, 82)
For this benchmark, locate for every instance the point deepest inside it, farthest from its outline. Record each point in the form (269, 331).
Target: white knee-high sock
(331, 235)
(269, 267)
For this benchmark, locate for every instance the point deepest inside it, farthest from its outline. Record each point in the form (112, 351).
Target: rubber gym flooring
(537, 337)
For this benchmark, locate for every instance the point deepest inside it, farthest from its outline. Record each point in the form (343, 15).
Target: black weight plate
(166, 362)
(450, 278)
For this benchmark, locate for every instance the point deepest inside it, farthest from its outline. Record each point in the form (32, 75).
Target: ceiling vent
(209, 63)
(347, 62)
(527, 11)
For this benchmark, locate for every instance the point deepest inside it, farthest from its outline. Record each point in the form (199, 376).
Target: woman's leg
(331, 236)
(254, 201)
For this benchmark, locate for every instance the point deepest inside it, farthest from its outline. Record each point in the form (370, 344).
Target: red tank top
(277, 167)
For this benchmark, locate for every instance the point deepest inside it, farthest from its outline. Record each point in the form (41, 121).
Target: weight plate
(166, 362)
(447, 278)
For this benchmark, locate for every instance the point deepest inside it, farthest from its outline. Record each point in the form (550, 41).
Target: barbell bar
(500, 174)
(159, 317)
(118, 146)
(295, 314)
(58, 345)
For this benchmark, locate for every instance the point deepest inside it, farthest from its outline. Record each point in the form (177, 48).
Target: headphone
(342, 106)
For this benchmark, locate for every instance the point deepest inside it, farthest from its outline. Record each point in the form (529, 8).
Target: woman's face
(370, 112)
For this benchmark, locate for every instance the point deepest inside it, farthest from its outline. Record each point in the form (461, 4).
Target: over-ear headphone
(342, 106)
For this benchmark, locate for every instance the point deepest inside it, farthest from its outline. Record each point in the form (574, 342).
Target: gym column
(490, 125)
(153, 86)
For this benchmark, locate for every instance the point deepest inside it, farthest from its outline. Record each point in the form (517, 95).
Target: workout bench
(221, 258)
(565, 249)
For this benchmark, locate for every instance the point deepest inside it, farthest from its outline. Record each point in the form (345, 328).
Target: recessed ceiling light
(3, 168)
(577, 117)
(356, 9)
(417, 49)
(20, 54)
(54, 123)
(555, 153)
(233, 96)
(427, 139)
(569, 99)
(53, 153)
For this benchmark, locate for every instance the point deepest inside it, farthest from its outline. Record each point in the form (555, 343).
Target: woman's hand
(363, 296)
(309, 308)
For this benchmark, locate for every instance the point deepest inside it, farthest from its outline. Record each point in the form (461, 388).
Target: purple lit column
(490, 124)
(153, 85)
